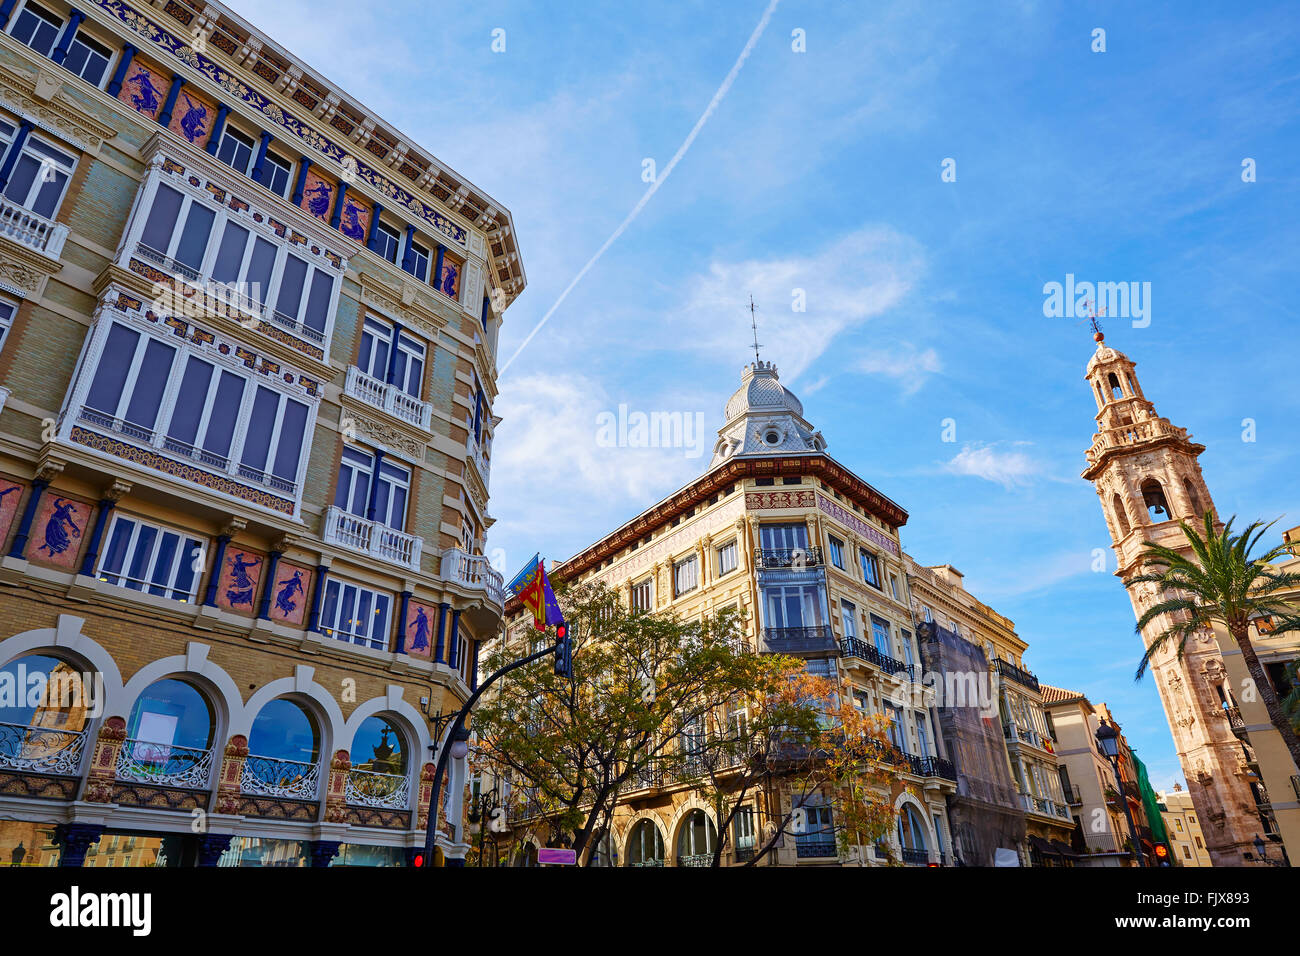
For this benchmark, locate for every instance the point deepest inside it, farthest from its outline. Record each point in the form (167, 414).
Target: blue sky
(821, 171)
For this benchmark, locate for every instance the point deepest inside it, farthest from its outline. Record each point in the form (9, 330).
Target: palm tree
(1222, 583)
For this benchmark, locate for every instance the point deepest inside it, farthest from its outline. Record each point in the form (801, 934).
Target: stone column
(103, 765)
(426, 794)
(232, 770)
(336, 809)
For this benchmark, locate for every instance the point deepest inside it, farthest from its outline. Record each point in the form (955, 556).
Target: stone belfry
(1147, 479)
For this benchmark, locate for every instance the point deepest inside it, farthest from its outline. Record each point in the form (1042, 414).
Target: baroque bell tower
(1147, 478)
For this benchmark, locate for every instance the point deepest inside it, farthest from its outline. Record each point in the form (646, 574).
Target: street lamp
(480, 815)
(1108, 744)
(1261, 851)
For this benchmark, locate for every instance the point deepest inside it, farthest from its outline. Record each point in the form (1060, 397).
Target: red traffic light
(561, 631)
(1162, 851)
(418, 861)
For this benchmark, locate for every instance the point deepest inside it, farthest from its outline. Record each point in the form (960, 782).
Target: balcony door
(783, 537)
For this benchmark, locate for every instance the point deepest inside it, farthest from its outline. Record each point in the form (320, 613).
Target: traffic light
(563, 651)
(1162, 854)
(418, 860)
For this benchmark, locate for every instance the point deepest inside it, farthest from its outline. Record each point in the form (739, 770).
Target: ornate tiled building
(1147, 477)
(248, 340)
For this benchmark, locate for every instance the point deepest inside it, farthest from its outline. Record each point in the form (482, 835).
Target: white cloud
(907, 364)
(1005, 467)
(859, 276)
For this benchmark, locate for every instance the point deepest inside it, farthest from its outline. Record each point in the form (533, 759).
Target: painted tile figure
(318, 199)
(286, 595)
(10, 493)
(140, 89)
(194, 122)
(450, 279)
(289, 593)
(419, 630)
(57, 528)
(356, 219)
(241, 584)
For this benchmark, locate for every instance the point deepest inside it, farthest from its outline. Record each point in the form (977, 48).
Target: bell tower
(1147, 478)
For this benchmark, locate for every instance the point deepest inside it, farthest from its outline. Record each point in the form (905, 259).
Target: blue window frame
(356, 614)
(152, 558)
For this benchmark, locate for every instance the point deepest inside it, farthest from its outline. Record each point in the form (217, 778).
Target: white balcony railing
(164, 765)
(388, 397)
(373, 538)
(276, 777)
(474, 572)
(28, 229)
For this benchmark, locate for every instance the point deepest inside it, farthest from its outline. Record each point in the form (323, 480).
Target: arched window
(1153, 497)
(696, 839)
(1193, 497)
(911, 836)
(603, 852)
(1115, 390)
(1121, 516)
(645, 845)
(283, 753)
(44, 708)
(378, 777)
(169, 737)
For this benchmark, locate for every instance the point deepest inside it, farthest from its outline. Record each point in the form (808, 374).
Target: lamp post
(480, 813)
(1108, 744)
(457, 744)
(1261, 851)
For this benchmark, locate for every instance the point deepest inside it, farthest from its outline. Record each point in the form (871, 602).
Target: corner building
(810, 554)
(248, 341)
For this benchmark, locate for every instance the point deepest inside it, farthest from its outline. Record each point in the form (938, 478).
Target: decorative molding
(37, 95)
(389, 437)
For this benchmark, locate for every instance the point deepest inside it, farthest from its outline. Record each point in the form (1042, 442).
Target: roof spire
(754, 321)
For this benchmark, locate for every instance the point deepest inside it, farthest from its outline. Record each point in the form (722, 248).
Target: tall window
(236, 149)
(817, 829)
(207, 410)
(727, 555)
(8, 310)
(685, 576)
(645, 845)
(276, 173)
(849, 618)
(185, 245)
(783, 537)
(905, 639)
(88, 59)
(922, 733)
(837, 551)
(40, 175)
(419, 261)
(392, 491)
(375, 356)
(38, 28)
(147, 557)
(273, 441)
(387, 242)
(743, 831)
(894, 589)
(357, 614)
(643, 595)
(870, 567)
(880, 634)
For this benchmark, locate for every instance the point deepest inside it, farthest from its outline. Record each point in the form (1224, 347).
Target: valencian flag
(534, 592)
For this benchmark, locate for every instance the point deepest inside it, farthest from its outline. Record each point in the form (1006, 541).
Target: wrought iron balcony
(1073, 797)
(799, 640)
(1235, 720)
(275, 777)
(856, 647)
(771, 559)
(365, 788)
(743, 854)
(26, 228)
(41, 750)
(915, 857)
(373, 538)
(1012, 672)
(164, 765)
(815, 848)
(694, 859)
(932, 767)
(388, 397)
(475, 573)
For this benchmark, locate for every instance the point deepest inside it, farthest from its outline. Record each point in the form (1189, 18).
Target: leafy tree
(791, 734)
(572, 745)
(1223, 582)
